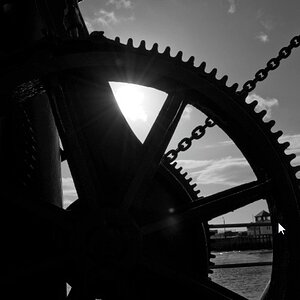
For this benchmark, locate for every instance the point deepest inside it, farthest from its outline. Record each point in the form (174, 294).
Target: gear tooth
(194, 185)
(180, 169)
(234, 87)
(278, 134)
(201, 68)
(296, 169)
(285, 145)
(198, 193)
(179, 56)
(224, 79)
(184, 174)
(117, 39)
(213, 73)
(189, 180)
(291, 156)
(191, 61)
(154, 48)
(167, 51)
(97, 35)
(174, 164)
(262, 114)
(130, 42)
(253, 104)
(142, 45)
(270, 124)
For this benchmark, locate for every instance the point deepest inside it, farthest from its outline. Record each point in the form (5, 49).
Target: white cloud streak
(227, 171)
(263, 104)
(193, 164)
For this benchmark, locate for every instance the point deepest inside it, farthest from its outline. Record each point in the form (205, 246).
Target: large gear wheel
(138, 231)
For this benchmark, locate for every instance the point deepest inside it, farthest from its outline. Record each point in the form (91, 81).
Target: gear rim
(248, 109)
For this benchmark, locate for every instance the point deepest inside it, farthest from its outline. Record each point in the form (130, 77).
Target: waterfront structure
(261, 217)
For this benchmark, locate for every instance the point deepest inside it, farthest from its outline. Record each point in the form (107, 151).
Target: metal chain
(186, 143)
(271, 65)
(249, 86)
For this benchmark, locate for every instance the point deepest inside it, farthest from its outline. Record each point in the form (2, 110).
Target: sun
(130, 100)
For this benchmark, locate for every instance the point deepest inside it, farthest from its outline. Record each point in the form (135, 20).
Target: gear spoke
(154, 147)
(193, 288)
(214, 205)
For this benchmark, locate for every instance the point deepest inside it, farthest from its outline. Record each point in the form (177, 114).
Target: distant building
(262, 217)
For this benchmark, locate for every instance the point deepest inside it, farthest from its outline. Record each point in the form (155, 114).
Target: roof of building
(263, 213)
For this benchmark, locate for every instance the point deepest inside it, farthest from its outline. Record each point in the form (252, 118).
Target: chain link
(249, 86)
(186, 142)
(272, 64)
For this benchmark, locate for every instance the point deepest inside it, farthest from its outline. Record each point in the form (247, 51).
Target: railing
(236, 225)
(239, 225)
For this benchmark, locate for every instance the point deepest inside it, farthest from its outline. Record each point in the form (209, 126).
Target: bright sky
(237, 37)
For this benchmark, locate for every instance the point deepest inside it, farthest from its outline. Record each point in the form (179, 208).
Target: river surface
(249, 282)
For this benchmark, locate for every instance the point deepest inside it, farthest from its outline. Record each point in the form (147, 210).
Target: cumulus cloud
(232, 6)
(120, 3)
(263, 104)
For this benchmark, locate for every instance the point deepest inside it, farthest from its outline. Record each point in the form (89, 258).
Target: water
(249, 282)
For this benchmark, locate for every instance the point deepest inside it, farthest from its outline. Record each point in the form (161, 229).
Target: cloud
(120, 3)
(106, 18)
(267, 24)
(193, 164)
(263, 37)
(263, 104)
(226, 143)
(232, 6)
(227, 171)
